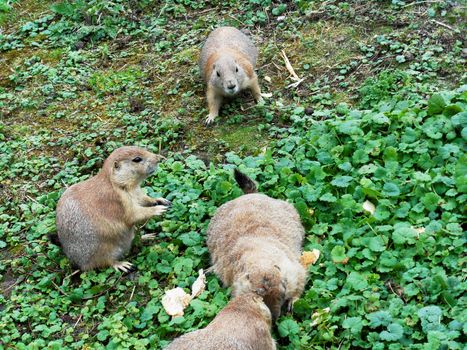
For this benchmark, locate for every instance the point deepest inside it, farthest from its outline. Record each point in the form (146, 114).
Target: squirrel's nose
(231, 85)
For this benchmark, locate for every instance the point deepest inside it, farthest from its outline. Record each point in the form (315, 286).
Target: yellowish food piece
(309, 258)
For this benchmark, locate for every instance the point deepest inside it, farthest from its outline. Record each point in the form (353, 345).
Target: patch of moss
(23, 11)
(246, 139)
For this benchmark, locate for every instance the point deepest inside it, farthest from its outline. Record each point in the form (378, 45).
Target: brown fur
(244, 324)
(227, 64)
(96, 218)
(239, 57)
(207, 69)
(255, 243)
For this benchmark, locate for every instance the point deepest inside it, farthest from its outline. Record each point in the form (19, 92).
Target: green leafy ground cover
(380, 116)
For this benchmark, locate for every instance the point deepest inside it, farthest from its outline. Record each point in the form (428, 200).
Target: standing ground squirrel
(227, 63)
(96, 218)
(255, 243)
(244, 324)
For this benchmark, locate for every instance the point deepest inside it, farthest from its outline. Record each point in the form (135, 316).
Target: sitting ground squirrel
(227, 64)
(244, 324)
(255, 243)
(96, 218)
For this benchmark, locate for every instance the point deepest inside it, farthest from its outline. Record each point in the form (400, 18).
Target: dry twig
(72, 274)
(443, 25)
(132, 293)
(289, 67)
(79, 319)
(420, 2)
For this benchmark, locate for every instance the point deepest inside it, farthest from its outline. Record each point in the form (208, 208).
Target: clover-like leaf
(354, 324)
(394, 332)
(338, 254)
(288, 327)
(357, 281)
(430, 201)
(390, 189)
(436, 104)
(342, 181)
(377, 244)
(379, 318)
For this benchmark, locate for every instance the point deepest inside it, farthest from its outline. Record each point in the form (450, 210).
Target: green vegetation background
(380, 116)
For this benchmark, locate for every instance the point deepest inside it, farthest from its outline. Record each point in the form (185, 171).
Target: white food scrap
(175, 301)
(198, 287)
(369, 207)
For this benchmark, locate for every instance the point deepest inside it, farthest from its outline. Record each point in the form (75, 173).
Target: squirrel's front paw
(162, 201)
(123, 266)
(159, 210)
(148, 236)
(210, 118)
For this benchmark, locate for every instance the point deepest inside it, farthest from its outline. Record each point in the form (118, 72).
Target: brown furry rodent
(255, 243)
(227, 63)
(96, 218)
(244, 324)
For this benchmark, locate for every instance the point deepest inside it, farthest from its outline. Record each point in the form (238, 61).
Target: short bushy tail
(245, 183)
(53, 237)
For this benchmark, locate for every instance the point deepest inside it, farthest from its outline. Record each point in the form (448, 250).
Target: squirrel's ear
(116, 165)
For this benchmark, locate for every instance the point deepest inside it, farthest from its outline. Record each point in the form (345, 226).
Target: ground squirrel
(96, 218)
(244, 324)
(227, 64)
(255, 243)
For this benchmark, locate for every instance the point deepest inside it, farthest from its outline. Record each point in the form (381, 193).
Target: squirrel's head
(128, 166)
(250, 302)
(227, 75)
(268, 284)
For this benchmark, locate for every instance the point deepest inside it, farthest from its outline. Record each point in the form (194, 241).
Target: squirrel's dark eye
(137, 159)
(218, 74)
(236, 69)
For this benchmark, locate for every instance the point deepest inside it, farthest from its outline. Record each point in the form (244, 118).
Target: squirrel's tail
(53, 237)
(245, 183)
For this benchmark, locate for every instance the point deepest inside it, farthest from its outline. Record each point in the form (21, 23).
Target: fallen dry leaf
(175, 301)
(267, 78)
(309, 258)
(266, 94)
(369, 207)
(198, 287)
